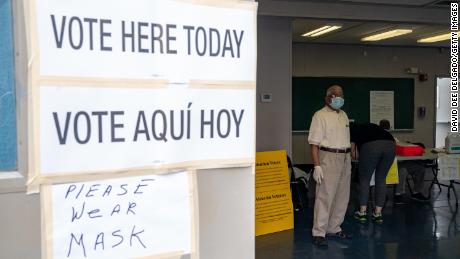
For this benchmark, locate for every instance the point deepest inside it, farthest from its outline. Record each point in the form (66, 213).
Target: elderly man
(330, 149)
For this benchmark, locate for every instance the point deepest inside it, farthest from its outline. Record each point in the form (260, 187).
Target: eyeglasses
(333, 95)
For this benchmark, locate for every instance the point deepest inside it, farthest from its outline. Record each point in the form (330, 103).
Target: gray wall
(20, 226)
(226, 207)
(369, 61)
(274, 77)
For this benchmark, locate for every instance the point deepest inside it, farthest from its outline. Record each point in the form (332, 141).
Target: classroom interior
(411, 231)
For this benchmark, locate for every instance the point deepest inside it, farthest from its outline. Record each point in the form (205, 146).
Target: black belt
(335, 150)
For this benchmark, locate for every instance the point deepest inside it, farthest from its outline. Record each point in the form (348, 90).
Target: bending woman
(376, 149)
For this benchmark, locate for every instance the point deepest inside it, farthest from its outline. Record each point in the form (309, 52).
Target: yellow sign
(393, 176)
(274, 210)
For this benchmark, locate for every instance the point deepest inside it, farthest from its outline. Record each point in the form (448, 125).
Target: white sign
(382, 106)
(448, 167)
(86, 129)
(120, 218)
(147, 39)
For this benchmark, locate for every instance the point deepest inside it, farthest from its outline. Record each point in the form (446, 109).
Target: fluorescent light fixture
(321, 31)
(441, 37)
(386, 35)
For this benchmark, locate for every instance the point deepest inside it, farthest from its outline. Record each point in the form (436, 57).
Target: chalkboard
(8, 157)
(308, 97)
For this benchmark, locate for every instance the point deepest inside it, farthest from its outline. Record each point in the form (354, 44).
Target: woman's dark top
(361, 134)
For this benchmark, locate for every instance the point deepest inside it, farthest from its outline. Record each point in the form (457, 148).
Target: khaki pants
(332, 194)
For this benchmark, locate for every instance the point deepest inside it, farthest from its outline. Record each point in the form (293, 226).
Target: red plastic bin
(409, 150)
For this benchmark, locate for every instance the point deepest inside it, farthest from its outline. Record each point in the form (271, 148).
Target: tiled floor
(413, 230)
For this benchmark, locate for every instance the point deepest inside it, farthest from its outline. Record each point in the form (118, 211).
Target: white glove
(318, 174)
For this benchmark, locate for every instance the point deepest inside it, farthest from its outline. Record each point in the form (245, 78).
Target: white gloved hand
(318, 174)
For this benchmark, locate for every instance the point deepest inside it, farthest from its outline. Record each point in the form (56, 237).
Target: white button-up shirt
(330, 129)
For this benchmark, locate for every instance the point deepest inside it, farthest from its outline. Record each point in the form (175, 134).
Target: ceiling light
(321, 31)
(386, 35)
(441, 37)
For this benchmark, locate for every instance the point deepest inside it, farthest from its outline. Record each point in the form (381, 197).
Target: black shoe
(341, 234)
(419, 197)
(320, 241)
(398, 199)
(361, 217)
(377, 218)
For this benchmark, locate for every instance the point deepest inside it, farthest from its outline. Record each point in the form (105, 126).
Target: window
(8, 140)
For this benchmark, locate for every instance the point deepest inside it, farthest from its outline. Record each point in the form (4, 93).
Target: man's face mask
(337, 102)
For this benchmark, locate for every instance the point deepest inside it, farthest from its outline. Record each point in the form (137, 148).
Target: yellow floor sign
(274, 210)
(393, 174)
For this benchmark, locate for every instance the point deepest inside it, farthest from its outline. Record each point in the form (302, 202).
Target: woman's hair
(385, 124)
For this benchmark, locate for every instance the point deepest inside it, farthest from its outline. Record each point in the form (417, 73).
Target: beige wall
(368, 61)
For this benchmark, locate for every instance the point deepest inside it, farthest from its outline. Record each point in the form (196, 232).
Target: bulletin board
(8, 150)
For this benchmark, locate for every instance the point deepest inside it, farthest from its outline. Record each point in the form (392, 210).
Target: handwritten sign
(120, 218)
(112, 37)
(112, 128)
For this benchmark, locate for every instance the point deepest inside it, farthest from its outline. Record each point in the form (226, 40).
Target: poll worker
(414, 168)
(375, 149)
(329, 138)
